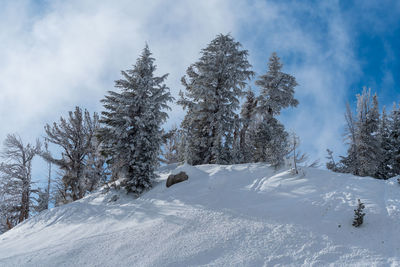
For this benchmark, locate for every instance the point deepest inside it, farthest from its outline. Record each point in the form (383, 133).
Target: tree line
(373, 140)
(126, 142)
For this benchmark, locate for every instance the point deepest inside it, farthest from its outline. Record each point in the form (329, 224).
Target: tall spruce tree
(276, 93)
(131, 135)
(213, 87)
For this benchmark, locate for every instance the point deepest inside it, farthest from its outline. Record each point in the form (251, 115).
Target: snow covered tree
(276, 93)
(213, 87)
(75, 136)
(43, 200)
(349, 163)
(172, 140)
(16, 180)
(236, 152)
(247, 118)
(296, 157)
(367, 141)
(370, 140)
(384, 169)
(277, 89)
(359, 214)
(331, 164)
(95, 172)
(394, 137)
(131, 135)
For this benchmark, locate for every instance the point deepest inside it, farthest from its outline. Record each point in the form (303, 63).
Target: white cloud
(70, 53)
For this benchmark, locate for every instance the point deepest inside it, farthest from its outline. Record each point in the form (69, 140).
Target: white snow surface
(234, 215)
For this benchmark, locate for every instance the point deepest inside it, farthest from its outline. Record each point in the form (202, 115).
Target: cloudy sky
(57, 54)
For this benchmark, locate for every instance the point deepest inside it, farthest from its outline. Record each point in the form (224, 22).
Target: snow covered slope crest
(238, 215)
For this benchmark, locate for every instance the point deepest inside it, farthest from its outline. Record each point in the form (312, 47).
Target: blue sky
(58, 54)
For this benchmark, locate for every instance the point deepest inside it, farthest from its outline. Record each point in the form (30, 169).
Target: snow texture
(232, 215)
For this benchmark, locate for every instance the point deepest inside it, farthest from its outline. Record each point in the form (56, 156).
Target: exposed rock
(176, 178)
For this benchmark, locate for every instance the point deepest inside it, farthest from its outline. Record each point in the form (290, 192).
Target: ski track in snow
(235, 215)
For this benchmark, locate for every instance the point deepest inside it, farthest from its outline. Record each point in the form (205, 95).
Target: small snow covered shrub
(358, 214)
(398, 180)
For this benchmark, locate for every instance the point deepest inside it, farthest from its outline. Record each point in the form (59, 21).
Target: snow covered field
(235, 215)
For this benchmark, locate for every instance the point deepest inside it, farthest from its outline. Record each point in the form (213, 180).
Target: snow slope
(239, 215)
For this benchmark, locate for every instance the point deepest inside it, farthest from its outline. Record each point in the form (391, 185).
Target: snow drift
(235, 215)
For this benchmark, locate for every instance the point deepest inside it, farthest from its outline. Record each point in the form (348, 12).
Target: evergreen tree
(277, 92)
(75, 136)
(132, 135)
(16, 180)
(331, 164)
(367, 141)
(394, 137)
(359, 214)
(247, 114)
(237, 156)
(350, 163)
(370, 139)
(277, 89)
(213, 87)
(172, 141)
(44, 194)
(384, 169)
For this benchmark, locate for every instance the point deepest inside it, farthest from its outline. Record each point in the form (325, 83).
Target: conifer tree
(213, 87)
(350, 163)
(172, 141)
(367, 142)
(75, 136)
(131, 135)
(384, 169)
(247, 114)
(394, 150)
(16, 180)
(277, 89)
(276, 93)
(237, 156)
(370, 139)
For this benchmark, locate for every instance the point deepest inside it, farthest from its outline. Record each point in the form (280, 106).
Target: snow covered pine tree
(277, 92)
(131, 135)
(16, 180)
(366, 152)
(213, 87)
(75, 136)
(246, 117)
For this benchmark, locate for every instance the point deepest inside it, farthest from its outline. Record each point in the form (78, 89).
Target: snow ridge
(231, 215)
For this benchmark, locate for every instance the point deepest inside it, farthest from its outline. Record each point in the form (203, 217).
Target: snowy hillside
(239, 215)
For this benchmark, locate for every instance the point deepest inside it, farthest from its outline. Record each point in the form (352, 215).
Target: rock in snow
(176, 178)
(234, 215)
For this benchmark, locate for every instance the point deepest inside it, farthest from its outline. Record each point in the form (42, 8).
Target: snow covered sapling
(295, 155)
(358, 214)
